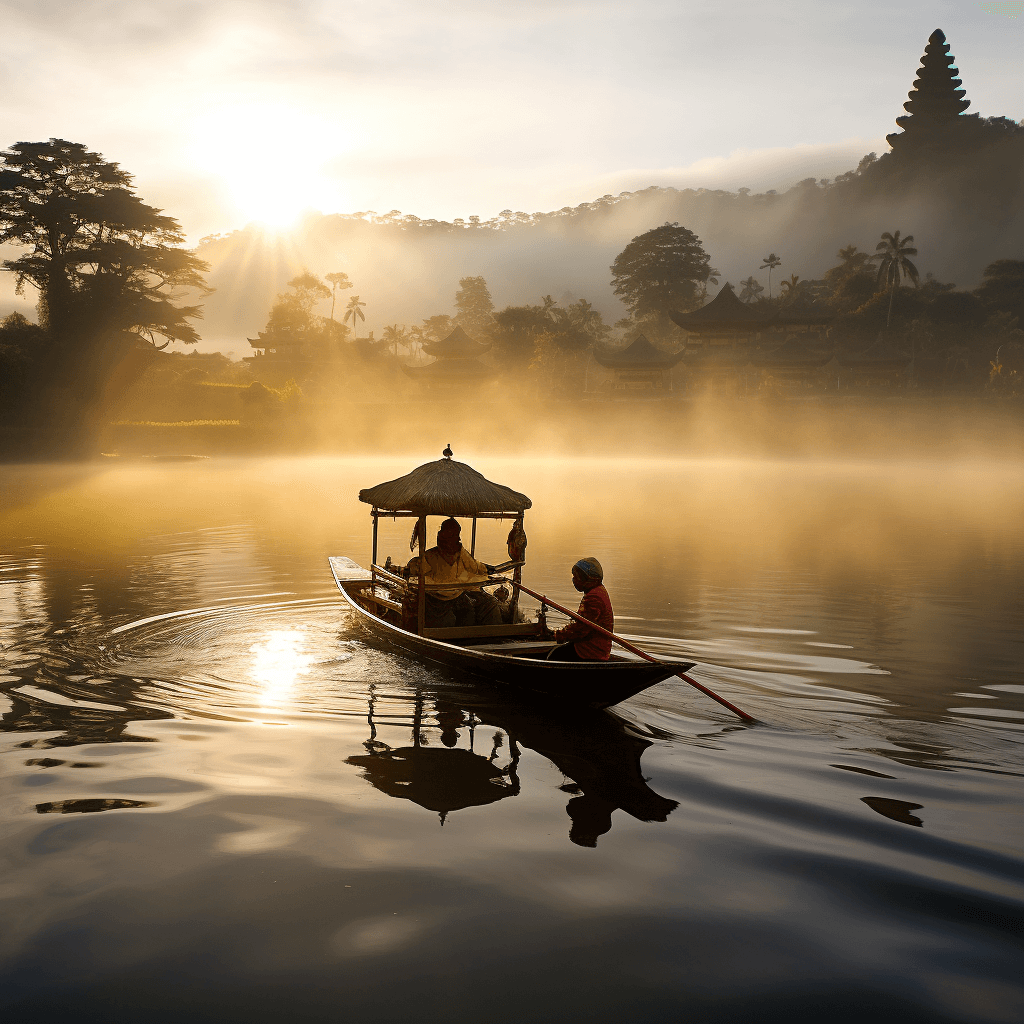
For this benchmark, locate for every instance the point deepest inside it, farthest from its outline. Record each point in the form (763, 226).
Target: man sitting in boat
(463, 604)
(578, 642)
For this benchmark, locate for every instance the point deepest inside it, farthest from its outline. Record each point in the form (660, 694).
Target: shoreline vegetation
(873, 345)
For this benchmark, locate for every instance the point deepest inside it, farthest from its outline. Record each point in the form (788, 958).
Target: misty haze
(511, 511)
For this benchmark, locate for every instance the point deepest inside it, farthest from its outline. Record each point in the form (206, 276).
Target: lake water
(218, 802)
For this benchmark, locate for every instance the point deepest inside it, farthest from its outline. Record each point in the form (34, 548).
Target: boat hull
(595, 684)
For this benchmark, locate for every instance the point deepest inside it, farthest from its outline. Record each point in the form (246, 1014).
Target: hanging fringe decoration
(414, 539)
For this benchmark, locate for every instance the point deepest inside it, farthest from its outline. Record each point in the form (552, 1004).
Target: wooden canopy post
(373, 558)
(472, 543)
(421, 603)
(517, 578)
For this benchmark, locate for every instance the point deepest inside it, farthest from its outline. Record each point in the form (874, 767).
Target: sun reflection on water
(280, 657)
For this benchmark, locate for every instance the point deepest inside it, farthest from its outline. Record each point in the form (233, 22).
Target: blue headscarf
(590, 567)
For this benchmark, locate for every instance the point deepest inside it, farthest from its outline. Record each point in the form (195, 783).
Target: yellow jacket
(465, 570)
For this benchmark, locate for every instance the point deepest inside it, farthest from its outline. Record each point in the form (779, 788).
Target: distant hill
(965, 208)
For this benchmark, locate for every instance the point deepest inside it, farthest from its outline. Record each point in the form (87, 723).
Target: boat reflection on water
(595, 750)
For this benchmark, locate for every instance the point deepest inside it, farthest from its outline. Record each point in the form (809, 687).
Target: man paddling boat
(577, 641)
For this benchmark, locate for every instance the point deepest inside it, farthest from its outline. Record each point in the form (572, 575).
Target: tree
(769, 263)
(110, 271)
(394, 336)
(752, 288)
(851, 282)
(475, 308)
(293, 314)
(354, 310)
(94, 247)
(338, 282)
(661, 271)
(893, 254)
(1002, 289)
(788, 288)
(437, 328)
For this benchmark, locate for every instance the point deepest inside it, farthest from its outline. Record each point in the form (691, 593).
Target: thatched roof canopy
(641, 355)
(724, 310)
(458, 345)
(445, 488)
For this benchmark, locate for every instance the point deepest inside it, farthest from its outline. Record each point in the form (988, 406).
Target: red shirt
(591, 645)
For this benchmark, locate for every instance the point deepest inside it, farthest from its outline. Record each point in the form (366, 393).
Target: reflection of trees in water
(593, 749)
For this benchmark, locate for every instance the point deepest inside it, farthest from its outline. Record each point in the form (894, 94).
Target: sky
(236, 111)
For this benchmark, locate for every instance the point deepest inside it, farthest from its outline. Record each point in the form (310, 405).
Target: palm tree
(769, 263)
(751, 289)
(354, 311)
(892, 252)
(790, 286)
(394, 335)
(337, 280)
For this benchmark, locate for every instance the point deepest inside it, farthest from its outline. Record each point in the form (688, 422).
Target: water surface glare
(220, 802)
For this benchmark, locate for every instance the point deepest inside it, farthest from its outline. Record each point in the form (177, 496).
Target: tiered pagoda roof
(641, 355)
(936, 101)
(458, 345)
(455, 361)
(724, 310)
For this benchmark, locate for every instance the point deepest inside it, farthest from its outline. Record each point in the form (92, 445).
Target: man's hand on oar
(636, 650)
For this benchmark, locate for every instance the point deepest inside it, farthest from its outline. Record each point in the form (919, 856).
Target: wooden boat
(391, 606)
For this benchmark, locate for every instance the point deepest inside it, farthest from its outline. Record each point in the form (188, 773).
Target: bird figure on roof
(448, 453)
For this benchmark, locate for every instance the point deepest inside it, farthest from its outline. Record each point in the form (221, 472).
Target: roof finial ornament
(448, 453)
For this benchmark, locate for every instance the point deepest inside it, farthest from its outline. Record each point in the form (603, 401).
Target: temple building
(725, 322)
(456, 363)
(291, 350)
(936, 101)
(792, 369)
(639, 367)
(882, 366)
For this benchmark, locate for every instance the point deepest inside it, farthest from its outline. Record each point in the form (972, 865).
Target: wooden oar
(636, 650)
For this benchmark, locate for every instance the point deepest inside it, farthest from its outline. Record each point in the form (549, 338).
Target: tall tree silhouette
(751, 289)
(97, 254)
(475, 307)
(770, 262)
(394, 336)
(111, 274)
(354, 310)
(339, 282)
(893, 254)
(661, 271)
(936, 101)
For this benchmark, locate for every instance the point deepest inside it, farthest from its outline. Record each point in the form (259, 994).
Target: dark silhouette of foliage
(752, 289)
(111, 275)
(893, 255)
(339, 282)
(475, 308)
(1002, 290)
(788, 288)
(354, 311)
(769, 263)
(104, 263)
(661, 271)
(852, 282)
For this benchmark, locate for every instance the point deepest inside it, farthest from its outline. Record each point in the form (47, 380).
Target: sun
(241, 145)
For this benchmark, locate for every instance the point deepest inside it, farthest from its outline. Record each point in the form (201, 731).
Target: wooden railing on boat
(396, 585)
